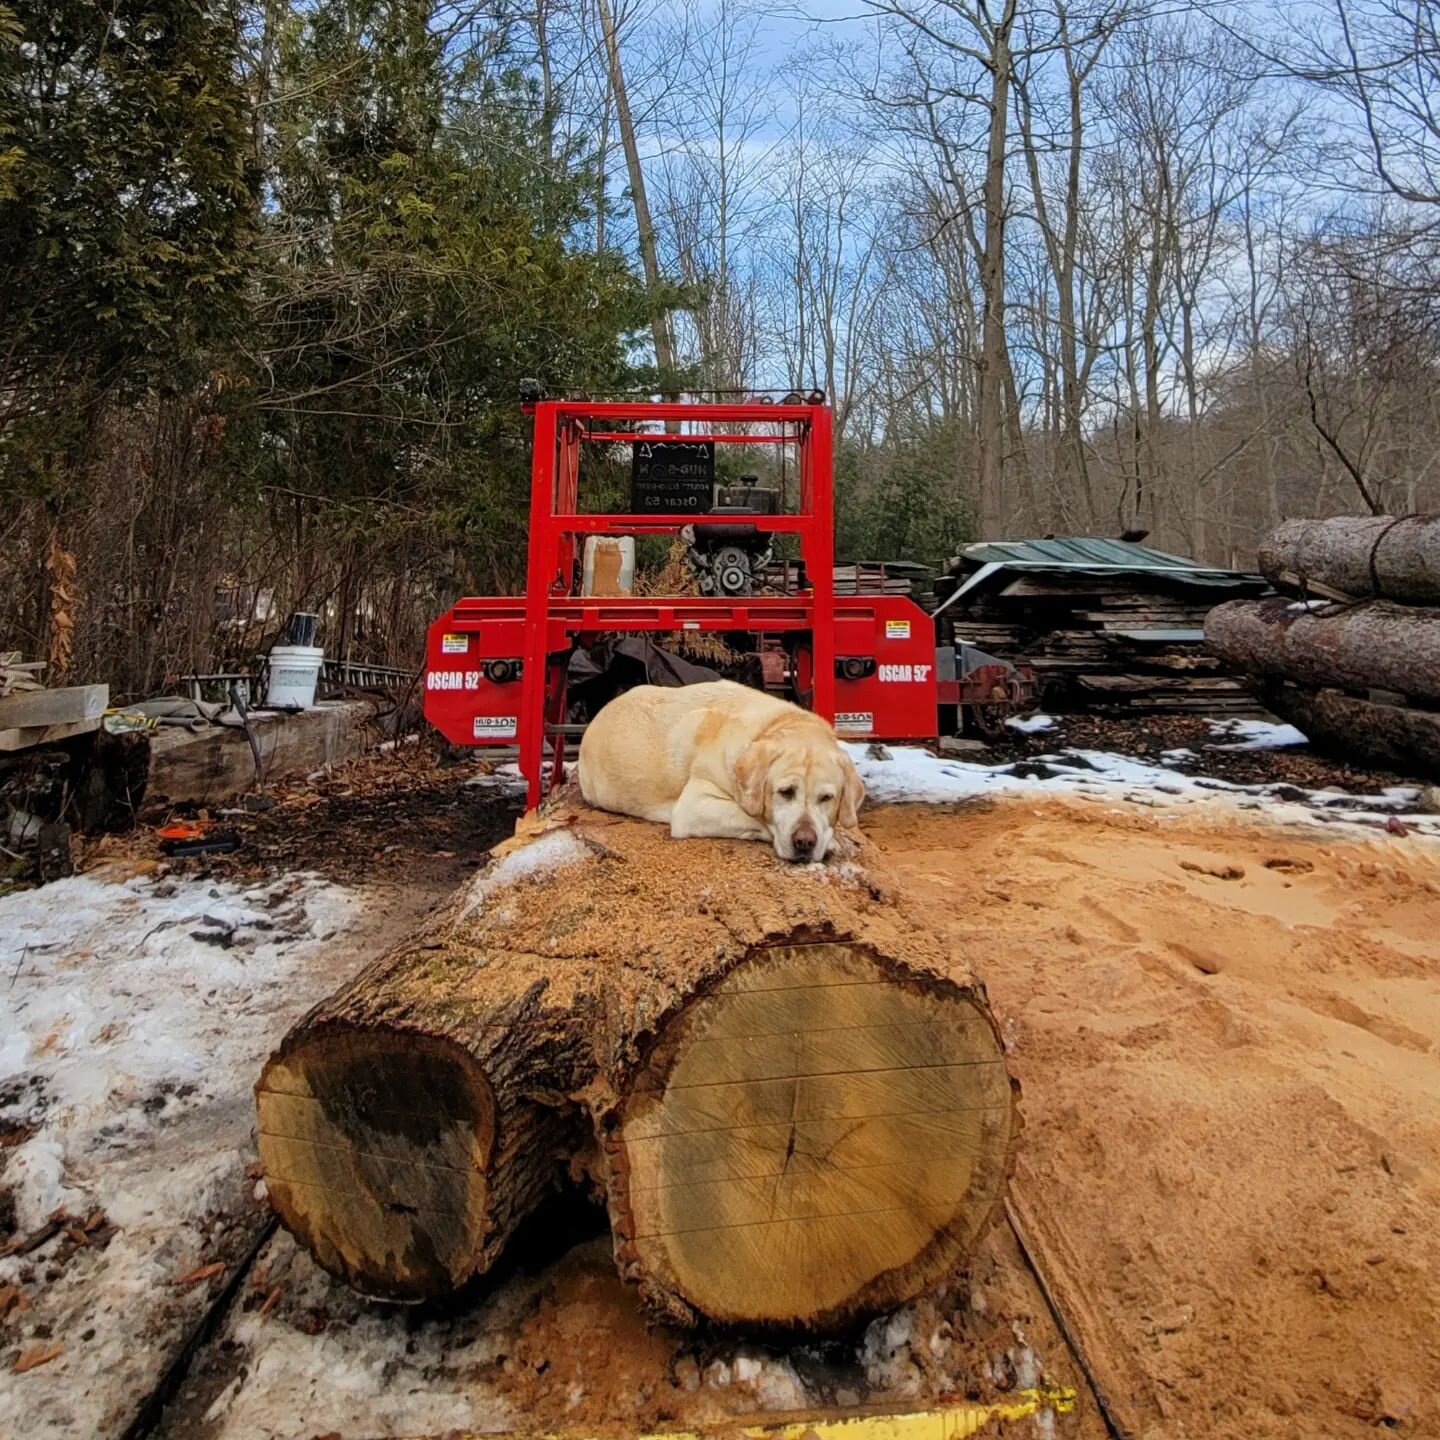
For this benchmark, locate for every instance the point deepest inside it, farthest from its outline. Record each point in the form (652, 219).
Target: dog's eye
(786, 792)
(827, 797)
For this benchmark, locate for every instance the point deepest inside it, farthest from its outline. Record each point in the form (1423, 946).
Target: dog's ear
(852, 795)
(752, 771)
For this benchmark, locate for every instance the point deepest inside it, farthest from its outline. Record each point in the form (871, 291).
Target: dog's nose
(803, 841)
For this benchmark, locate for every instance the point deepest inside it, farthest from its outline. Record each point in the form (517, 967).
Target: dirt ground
(1226, 1038)
(410, 817)
(1226, 1033)
(1228, 1172)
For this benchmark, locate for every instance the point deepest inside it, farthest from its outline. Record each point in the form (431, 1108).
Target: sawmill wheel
(991, 713)
(812, 1138)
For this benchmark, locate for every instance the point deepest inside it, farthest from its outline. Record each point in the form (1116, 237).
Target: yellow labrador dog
(721, 760)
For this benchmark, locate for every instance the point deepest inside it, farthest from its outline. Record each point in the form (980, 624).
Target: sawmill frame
(876, 653)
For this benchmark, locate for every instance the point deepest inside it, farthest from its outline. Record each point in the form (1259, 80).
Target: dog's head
(802, 785)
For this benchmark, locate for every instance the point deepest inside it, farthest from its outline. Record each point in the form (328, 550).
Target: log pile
(1099, 643)
(793, 1101)
(1357, 557)
(1351, 653)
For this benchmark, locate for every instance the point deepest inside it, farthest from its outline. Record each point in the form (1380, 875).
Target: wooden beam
(26, 737)
(38, 708)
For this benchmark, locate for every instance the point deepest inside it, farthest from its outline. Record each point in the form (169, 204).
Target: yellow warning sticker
(454, 644)
(897, 629)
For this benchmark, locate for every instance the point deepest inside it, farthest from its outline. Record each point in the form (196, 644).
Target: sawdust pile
(1227, 1039)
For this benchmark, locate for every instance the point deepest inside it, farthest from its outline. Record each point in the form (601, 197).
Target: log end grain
(819, 1137)
(375, 1147)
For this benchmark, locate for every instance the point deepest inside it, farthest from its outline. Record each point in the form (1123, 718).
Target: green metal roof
(1098, 555)
(1085, 555)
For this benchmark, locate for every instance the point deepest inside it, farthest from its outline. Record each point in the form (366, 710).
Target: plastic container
(303, 627)
(294, 673)
(609, 566)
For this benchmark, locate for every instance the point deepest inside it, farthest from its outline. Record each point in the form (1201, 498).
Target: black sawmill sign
(672, 477)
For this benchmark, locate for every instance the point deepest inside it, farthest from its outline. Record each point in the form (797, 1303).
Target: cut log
(1371, 646)
(1345, 725)
(820, 1136)
(396, 1131)
(1358, 555)
(795, 1101)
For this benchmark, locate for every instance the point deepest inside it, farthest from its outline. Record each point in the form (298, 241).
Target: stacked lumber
(1358, 673)
(17, 674)
(31, 715)
(1095, 643)
(792, 1099)
(867, 577)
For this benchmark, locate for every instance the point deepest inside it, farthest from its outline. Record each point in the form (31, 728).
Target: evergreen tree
(423, 263)
(125, 211)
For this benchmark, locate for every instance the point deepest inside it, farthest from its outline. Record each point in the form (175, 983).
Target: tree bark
(795, 1101)
(644, 225)
(994, 355)
(1360, 555)
(1348, 726)
(1374, 645)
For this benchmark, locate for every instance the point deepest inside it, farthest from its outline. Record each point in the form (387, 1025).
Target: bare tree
(644, 225)
(1053, 119)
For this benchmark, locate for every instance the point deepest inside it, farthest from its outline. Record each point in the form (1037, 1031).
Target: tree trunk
(1349, 727)
(644, 225)
(795, 1101)
(1375, 645)
(993, 352)
(1359, 555)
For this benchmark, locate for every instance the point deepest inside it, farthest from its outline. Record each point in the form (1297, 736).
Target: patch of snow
(915, 776)
(776, 1385)
(35, 1177)
(133, 1023)
(885, 1354)
(541, 858)
(1256, 735)
(511, 784)
(410, 738)
(1032, 724)
(1301, 607)
(506, 779)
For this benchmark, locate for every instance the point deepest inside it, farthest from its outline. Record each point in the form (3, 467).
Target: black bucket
(302, 629)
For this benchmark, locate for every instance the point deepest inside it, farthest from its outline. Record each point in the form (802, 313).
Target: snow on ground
(133, 1020)
(1032, 724)
(1256, 735)
(364, 1361)
(531, 864)
(134, 1016)
(916, 776)
(325, 1361)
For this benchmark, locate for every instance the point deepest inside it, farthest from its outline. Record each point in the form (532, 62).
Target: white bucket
(294, 671)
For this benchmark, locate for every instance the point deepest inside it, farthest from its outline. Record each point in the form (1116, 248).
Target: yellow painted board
(950, 1422)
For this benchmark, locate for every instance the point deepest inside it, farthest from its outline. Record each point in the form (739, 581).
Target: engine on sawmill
(727, 558)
